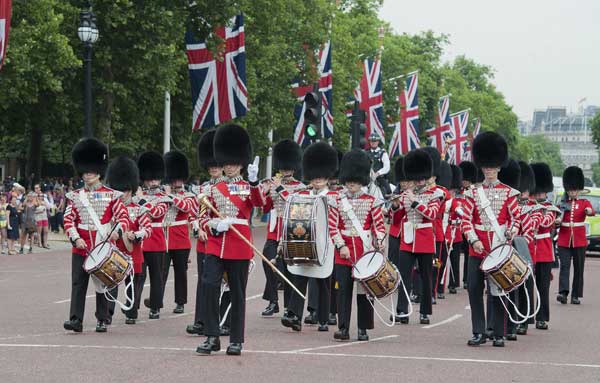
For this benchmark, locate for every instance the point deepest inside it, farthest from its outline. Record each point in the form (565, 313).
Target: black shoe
(498, 342)
(224, 330)
(108, 322)
(311, 318)
(178, 309)
(562, 298)
(130, 321)
(451, 290)
(332, 320)
(362, 335)
(441, 296)
(73, 325)
(195, 329)
(476, 340)
(292, 321)
(433, 302)
(403, 319)
(465, 286)
(147, 303)
(234, 349)
(424, 319)
(272, 308)
(511, 336)
(341, 334)
(212, 343)
(541, 325)
(489, 333)
(575, 301)
(154, 314)
(522, 329)
(101, 326)
(415, 299)
(323, 327)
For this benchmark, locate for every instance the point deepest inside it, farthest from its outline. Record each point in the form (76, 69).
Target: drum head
(496, 257)
(321, 222)
(368, 265)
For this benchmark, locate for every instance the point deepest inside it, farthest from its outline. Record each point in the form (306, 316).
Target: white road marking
(448, 320)
(344, 344)
(468, 307)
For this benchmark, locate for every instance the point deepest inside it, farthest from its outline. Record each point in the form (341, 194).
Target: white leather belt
(350, 233)
(238, 221)
(84, 226)
(423, 225)
(572, 224)
(542, 236)
(178, 223)
(482, 228)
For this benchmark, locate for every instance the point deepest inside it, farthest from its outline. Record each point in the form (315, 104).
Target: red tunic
(177, 218)
(157, 204)
(421, 217)
(396, 217)
(544, 247)
(275, 203)
(453, 234)
(107, 205)
(530, 215)
(572, 229)
(438, 227)
(139, 223)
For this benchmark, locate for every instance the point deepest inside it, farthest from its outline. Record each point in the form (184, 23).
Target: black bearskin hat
(123, 174)
(206, 155)
(176, 166)
(151, 166)
(418, 165)
(355, 167)
(457, 177)
(573, 178)
(490, 150)
(90, 155)
(510, 174)
(340, 155)
(320, 160)
(527, 180)
(444, 176)
(398, 170)
(469, 171)
(543, 178)
(287, 155)
(232, 145)
(436, 158)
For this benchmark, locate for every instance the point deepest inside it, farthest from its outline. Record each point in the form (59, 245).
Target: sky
(544, 53)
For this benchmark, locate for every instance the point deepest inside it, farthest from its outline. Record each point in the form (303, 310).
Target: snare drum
(305, 230)
(108, 264)
(379, 277)
(506, 267)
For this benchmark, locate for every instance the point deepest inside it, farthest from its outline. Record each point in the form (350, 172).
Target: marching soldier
(454, 239)
(488, 208)
(443, 180)
(233, 198)
(572, 241)
(380, 163)
(287, 159)
(470, 177)
(360, 220)
(89, 214)
(152, 198)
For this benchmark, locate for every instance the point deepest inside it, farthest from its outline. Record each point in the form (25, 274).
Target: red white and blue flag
(219, 91)
(5, 10)
(406, 131)
(476, 130)
(326, 89)
(458, 143)
(370, 98)
(438, 133)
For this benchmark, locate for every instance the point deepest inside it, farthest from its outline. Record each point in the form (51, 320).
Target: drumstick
(204, 200)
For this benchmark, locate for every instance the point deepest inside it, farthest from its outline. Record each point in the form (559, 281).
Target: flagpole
(167, 124)
(270, 155)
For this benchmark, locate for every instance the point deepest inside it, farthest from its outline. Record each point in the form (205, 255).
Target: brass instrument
(415, 189)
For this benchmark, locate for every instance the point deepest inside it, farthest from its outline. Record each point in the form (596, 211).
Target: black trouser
(296, 306)
(522, 299)
(578, 256)
(199, 313)
(53, 221)
(333, 295)
(394, 257)
(313, 295)
(138, 285)
(237, 277)
(384, 185)
(153, 267)
(223, 306)
(79, 284)
(179, 258)
(271, 280)
(454, 273)
(407, 262)
(465, 251)
(287, 289)
(543, 271)
(345, 296)
(476, 284)
(437, 274)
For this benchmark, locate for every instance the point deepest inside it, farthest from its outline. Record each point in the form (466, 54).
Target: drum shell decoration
(301, 231)
(112, 269)
(510, 270)
(383, 278)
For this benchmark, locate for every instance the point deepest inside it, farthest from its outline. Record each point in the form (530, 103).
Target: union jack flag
(219, 91)
(326, 89)
(438, 133)
(406, 136)
(476, 130)
(368, 93)
(459, 134)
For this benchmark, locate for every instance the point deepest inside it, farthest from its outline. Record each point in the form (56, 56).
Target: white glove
(223, 225)
(253, 170)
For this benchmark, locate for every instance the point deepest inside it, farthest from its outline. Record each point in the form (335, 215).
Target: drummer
(361, 218)
(88, 207)
(490, 152)
(123, 175)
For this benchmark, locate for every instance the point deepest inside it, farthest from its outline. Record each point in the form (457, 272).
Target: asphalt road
(35, 289)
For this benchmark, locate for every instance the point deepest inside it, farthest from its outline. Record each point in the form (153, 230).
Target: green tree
(541, 149)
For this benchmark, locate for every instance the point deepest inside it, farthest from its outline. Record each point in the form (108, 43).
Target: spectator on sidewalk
(3, 221)
(59, 201)
(13, 225)
(41, 220)
(28, 226)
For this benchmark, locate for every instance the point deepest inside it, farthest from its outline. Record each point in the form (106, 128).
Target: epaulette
(513, 192)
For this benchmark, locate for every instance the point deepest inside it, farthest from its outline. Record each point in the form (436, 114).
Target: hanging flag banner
(438, 133)
(406, 131)
(5, 11)
(370, 98)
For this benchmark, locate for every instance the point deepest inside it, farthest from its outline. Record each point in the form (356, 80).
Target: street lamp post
(88, 34)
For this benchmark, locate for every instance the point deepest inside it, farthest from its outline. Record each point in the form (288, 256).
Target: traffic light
(358, 128)
(312, 115)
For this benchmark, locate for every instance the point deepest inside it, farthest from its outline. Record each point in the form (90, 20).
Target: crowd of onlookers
(28, 214)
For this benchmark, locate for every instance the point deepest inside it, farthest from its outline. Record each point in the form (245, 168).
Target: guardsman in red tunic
(234, 199)
(419, 207)
(453, 235)
(87, 208)
(442, 182)
(543, 247)
(361, 217)
(490, 152)
(287, 159)
(471, 176)
(152, 198)
(206, 159)
(176, 225)
(123, 175)
(572, 241)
